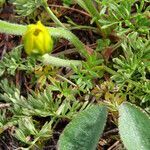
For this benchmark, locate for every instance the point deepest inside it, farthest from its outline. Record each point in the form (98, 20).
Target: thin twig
(65, 52)
(4, 105)
(5, 47)
(65, 79)
(114, 145)
(111, 132)
(73, 9)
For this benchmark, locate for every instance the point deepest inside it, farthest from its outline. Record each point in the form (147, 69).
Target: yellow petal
(37, 39)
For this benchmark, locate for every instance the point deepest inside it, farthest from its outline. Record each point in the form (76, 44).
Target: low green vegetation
(92, 87)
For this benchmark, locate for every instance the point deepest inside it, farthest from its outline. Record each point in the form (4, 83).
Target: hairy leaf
(134, 127)
(86, 127)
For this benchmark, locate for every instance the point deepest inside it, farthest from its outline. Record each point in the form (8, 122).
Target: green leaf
(86, 127)
(134, 127)
(68, 2)
(26, 7)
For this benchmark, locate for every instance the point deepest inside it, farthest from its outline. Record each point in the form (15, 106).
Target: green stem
(48, 59)
(11, 28)
(95, 14)
(16, 29)
(52, 16)
(109, 70)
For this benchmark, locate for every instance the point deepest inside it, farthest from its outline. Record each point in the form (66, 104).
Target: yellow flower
(37, 40)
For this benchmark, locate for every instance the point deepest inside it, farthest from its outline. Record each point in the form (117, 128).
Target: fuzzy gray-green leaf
(134, 127)
(84, 131)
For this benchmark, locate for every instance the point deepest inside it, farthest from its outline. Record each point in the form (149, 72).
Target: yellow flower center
(36, 32)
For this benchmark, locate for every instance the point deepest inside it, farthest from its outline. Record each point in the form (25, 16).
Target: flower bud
(37, 40)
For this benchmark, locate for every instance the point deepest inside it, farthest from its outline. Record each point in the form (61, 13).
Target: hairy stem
(51, 14)
(16, 29)
(50, 60)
